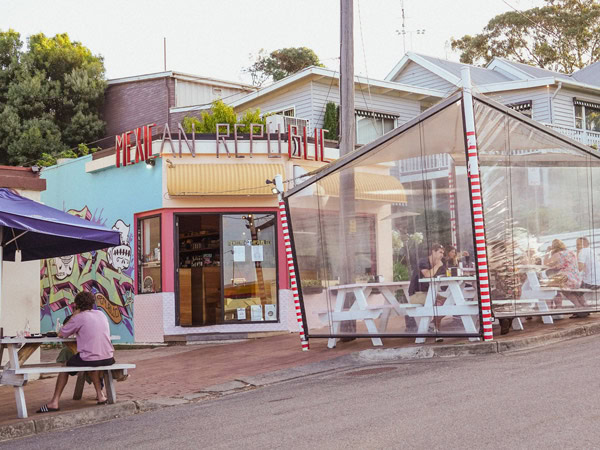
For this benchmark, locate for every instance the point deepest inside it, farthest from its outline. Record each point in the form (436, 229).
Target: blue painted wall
(109, 197)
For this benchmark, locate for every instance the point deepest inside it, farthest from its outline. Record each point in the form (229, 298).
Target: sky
(219, 38)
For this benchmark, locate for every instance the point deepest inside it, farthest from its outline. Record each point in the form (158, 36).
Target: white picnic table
(15, 372)
(362, 310)
(456, 304)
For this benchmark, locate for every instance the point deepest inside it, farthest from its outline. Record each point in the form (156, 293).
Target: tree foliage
(563, 35)
(50, 98)
(281, 63)
(222, 113)
(331, 121)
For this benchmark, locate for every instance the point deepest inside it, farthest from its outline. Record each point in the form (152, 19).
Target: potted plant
(312, 286)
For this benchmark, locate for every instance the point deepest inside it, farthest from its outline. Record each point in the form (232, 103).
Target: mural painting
(108, 274)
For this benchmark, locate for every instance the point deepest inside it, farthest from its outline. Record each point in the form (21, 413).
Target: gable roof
(500, 74)
(525, 71)
(589, 74)
(448, 70)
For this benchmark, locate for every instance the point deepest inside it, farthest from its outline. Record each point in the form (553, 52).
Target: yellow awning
(367, 186)
(221, 179)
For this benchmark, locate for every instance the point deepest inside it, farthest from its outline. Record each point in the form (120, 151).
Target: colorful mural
(106, 274)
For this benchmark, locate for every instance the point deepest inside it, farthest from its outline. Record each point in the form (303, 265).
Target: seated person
(451, 258)
(432, 266)
(565, 273)
(589, 266)
(93, 343)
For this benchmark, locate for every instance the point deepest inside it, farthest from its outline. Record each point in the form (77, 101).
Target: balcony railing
(585, 137)
(426, 163)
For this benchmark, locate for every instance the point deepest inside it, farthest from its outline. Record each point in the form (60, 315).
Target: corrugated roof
(536, 72)
(589, 74)
(479, 75)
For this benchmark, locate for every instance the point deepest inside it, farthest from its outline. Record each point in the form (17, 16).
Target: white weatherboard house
(569, 104)
(380, 105)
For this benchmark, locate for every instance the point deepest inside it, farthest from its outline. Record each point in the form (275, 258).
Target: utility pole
(347, 140)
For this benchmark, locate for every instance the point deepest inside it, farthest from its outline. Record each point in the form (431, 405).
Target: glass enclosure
(384, 243)
(542, 218)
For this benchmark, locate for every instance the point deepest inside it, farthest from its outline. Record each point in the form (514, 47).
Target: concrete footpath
(176, 375)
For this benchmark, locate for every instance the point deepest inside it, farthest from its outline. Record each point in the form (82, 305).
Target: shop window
(250, 267)
(149, 255)
(371, 125)
(587, 115)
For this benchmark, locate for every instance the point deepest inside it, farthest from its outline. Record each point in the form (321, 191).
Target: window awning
(221, 179)
(367, 186)
(578, 101)
(520, 106)
(377, 115)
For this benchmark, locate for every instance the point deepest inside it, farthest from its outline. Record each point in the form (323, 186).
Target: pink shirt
(93, 335)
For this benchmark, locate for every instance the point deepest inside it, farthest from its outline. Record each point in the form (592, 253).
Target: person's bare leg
(61, 382)
(95, 376)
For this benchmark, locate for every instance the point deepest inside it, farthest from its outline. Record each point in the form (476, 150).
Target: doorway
(199, 269)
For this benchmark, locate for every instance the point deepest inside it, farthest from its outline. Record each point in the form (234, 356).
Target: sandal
(103, 402)
(46, 409)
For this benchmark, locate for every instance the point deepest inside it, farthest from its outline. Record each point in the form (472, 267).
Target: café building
(201, 242)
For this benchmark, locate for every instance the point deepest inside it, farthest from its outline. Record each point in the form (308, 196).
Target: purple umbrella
(40, 231)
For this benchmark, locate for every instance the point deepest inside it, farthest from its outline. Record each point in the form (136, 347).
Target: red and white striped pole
(290, 261)
(477, 207)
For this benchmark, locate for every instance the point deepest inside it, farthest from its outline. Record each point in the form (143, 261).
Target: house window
(288, 112)
(370, 125)
(587, 115)
(522, 107)
(149, 258)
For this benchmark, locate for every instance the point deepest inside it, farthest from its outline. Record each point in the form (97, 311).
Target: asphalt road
(546, 398)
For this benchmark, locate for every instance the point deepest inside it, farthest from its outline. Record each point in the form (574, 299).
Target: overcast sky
(216, 38)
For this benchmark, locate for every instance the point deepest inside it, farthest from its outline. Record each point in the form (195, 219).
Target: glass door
(249, 267)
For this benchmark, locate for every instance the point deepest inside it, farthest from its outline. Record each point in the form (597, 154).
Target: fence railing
(585, 137)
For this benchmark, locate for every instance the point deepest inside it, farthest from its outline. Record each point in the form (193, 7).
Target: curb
(68, 420)
(89, 416)
(478, 348)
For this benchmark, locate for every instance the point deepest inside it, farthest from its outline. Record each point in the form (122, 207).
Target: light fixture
(274, 189)
(150, 163)
(35, 169)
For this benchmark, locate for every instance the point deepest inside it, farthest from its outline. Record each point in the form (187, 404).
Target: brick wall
(131, 105)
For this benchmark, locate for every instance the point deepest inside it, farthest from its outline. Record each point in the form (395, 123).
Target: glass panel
(592, 119)
(149, 261)
(539, 213)
(362, 232)
(579, 116)
(368, 129)
(250, 267)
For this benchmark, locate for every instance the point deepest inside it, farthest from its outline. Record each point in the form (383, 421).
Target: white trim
(150, 76)
(398, 68)
(321, 72)
(509, 68)
(433, 68)
(184, 77)
(515, 85)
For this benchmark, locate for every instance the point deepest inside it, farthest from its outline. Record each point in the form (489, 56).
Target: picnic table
(456, 304)
(15, 372)
(361, 309)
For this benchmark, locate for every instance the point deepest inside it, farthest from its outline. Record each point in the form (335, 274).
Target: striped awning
(221, 179)
(367, 186)
(520, 106)
(578, 101)
(377, 115)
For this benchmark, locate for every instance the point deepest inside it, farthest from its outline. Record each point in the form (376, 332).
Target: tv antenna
(403, 32)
